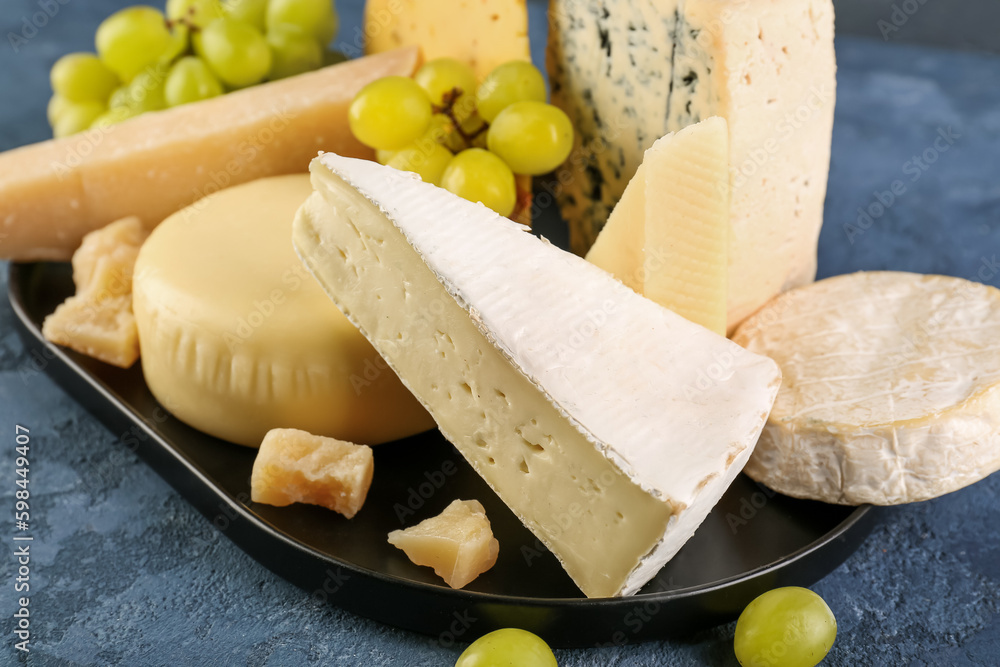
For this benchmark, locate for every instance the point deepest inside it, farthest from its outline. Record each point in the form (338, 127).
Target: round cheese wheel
(891, 388)
(238, 338)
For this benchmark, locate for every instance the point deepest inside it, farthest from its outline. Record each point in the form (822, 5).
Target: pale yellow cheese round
(237, 338)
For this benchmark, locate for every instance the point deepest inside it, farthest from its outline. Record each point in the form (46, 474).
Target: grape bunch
(469, 139)
(149, 60)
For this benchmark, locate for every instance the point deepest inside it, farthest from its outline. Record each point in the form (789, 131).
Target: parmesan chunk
(293, 466)
(458, 543)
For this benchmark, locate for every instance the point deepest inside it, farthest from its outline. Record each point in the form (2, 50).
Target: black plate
(754, 540)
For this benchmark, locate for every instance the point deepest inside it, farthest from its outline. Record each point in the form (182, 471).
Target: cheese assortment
(629, 76)
(158, 163)
(570, 394)
(294, 466)
(458, 543)
(892, 388)
(668, 237)
(238, 339)
(599, 398)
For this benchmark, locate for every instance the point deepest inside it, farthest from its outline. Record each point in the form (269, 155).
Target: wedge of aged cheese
(98, 320)
(668, 237)
(53, 193)
(237, 339)
(892, 388)
(575, 398)
(294, 466)
(458, 543)
(627, 77)
(483, 34)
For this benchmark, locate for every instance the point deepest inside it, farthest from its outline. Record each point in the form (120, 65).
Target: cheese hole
(524, 466)
(502, 395)
(480, 441)
(467, 388)
(491, 461)
(342, 253)
(619, 516)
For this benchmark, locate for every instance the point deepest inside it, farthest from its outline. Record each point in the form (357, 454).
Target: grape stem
(448, 110)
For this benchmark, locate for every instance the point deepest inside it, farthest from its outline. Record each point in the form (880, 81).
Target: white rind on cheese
(629, 76)
(571, 395)
(892, 388)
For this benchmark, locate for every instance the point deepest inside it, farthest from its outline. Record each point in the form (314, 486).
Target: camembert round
(891, 390)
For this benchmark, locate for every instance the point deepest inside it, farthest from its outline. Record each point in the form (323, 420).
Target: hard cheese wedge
(53, 193)
(483, 34)
(578, 401)
(668, 237)
(627, 77)
(892, 392)
(238, 339)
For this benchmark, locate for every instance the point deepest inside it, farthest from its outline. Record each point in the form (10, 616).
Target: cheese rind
(668, 237)
(629, 76)
(54, 192)
(578, 401)
(892, 391)
(237, 338)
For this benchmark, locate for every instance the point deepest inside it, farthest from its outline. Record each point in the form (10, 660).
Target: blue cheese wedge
(608, 424)
(629, 76)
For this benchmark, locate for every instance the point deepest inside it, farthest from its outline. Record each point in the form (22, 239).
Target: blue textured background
(125, 572)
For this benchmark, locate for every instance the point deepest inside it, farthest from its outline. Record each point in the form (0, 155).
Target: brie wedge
(892, 388)
(608, 424)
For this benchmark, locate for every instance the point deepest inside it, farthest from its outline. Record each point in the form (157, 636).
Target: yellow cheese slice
(55, 192)
(668, 237)
(483, 34)
(237, 338)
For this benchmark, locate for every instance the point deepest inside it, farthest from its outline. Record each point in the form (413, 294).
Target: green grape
(532, 137)
(82, 77)
(383, 157)
(785, 627)
(510, 646)
(58, 106)
(180, 41)
(195, 13)
(443, 75)
(119, 98)
(248, 11)
(293, 51)
(146, 91)
(426, 158)
(516, 81)
(478, 175)
(77, 117)
(390, 113)
(190, 80)
(113, 117)
(331, 57)
(236, 52)
(315, 16)
(131, 39)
